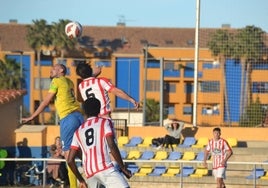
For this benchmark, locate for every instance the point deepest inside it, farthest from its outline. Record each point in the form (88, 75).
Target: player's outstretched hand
(127, 173)
(26, 120)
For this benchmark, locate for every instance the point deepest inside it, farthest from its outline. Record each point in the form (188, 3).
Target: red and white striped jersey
(218, 151)
(90, 137)
(98, 88)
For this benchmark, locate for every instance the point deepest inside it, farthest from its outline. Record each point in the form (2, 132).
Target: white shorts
(219, 172)
(110, 178)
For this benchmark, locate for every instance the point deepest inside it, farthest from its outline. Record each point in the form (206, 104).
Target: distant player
(221, 152)
(95, 139)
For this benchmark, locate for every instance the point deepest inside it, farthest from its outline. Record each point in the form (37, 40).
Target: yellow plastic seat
(144, 170)
(172, 171)
(160, 155)
(201, 142)
(147, 142)
(232, 141)
(199, 173)
(188, 156)
(122, 140)
(134, 154)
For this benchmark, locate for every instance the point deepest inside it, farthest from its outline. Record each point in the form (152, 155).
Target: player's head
(58, 70)
(92, 107)
(217, 129)
(216, 133)
(84, 70)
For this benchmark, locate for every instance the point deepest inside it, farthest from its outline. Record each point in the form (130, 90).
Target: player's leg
(68, 126)
(112, 178)
(220, 175)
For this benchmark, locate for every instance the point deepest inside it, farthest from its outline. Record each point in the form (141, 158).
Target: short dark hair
(217, 129)
(92, 107)
(84, 70)
(63, 68)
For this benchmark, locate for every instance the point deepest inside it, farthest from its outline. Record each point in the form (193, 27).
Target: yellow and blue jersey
(65, 101)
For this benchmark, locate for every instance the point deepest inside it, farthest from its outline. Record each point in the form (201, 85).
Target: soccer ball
(73, 30)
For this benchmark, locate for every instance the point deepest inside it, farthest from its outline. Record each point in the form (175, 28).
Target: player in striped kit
(221, 152)
(99, 88)
(95, 139)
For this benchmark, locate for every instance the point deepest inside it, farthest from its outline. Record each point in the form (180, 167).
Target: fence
(181, 163)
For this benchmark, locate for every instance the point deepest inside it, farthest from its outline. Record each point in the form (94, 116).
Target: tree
(38, 37)
(10, 77)
(222, 45)
(59, 39)
(253, 115)
(249, 45)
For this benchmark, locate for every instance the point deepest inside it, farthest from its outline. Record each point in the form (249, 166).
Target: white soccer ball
(73, 30)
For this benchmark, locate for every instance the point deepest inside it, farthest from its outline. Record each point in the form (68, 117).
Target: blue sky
(144, 13)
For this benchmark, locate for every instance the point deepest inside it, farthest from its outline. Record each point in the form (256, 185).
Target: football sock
(72, 178)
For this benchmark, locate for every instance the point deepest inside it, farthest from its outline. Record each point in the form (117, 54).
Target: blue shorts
(68, 126)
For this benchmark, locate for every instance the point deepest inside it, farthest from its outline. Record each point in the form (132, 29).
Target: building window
(209, 86)
(103, 64)
(170, 109)
(45, 83)
(260, 87)
(153, 85)
(188, 87)
(170, 87)
(61, 61)
(189, 70)
(187, 110)
(153, 64)
(211, 109)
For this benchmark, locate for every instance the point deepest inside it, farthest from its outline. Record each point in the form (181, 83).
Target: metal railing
(180, 162)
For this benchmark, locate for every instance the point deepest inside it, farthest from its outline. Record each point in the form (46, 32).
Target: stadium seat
(187, 142)
(158, 171)
(199, 173)
(232, 142)
(144, 170)
(133, 155)
(123, 154)
(133, 168)
(259, 173)
(172, 171)
(134, 141)
(147, 155)
(122, 140)
(186, 171)
(200, 156)
(265, 176)
(174, 155)
(147, 142)
(201, 142)
(160, 155)
(188, 156)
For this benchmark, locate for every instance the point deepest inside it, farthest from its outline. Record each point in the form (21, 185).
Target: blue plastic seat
(188, 142)
(186, 171)
(133, 168)
(158, 171)
(174, 155)
(259, 172)
(147, 155)
(123, 154)
(134, 141)
(200, 156)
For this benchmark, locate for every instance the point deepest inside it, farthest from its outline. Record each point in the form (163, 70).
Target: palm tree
(248, 48)
(38, 37)
(59, 39)
(10, 77)
(221, 45)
